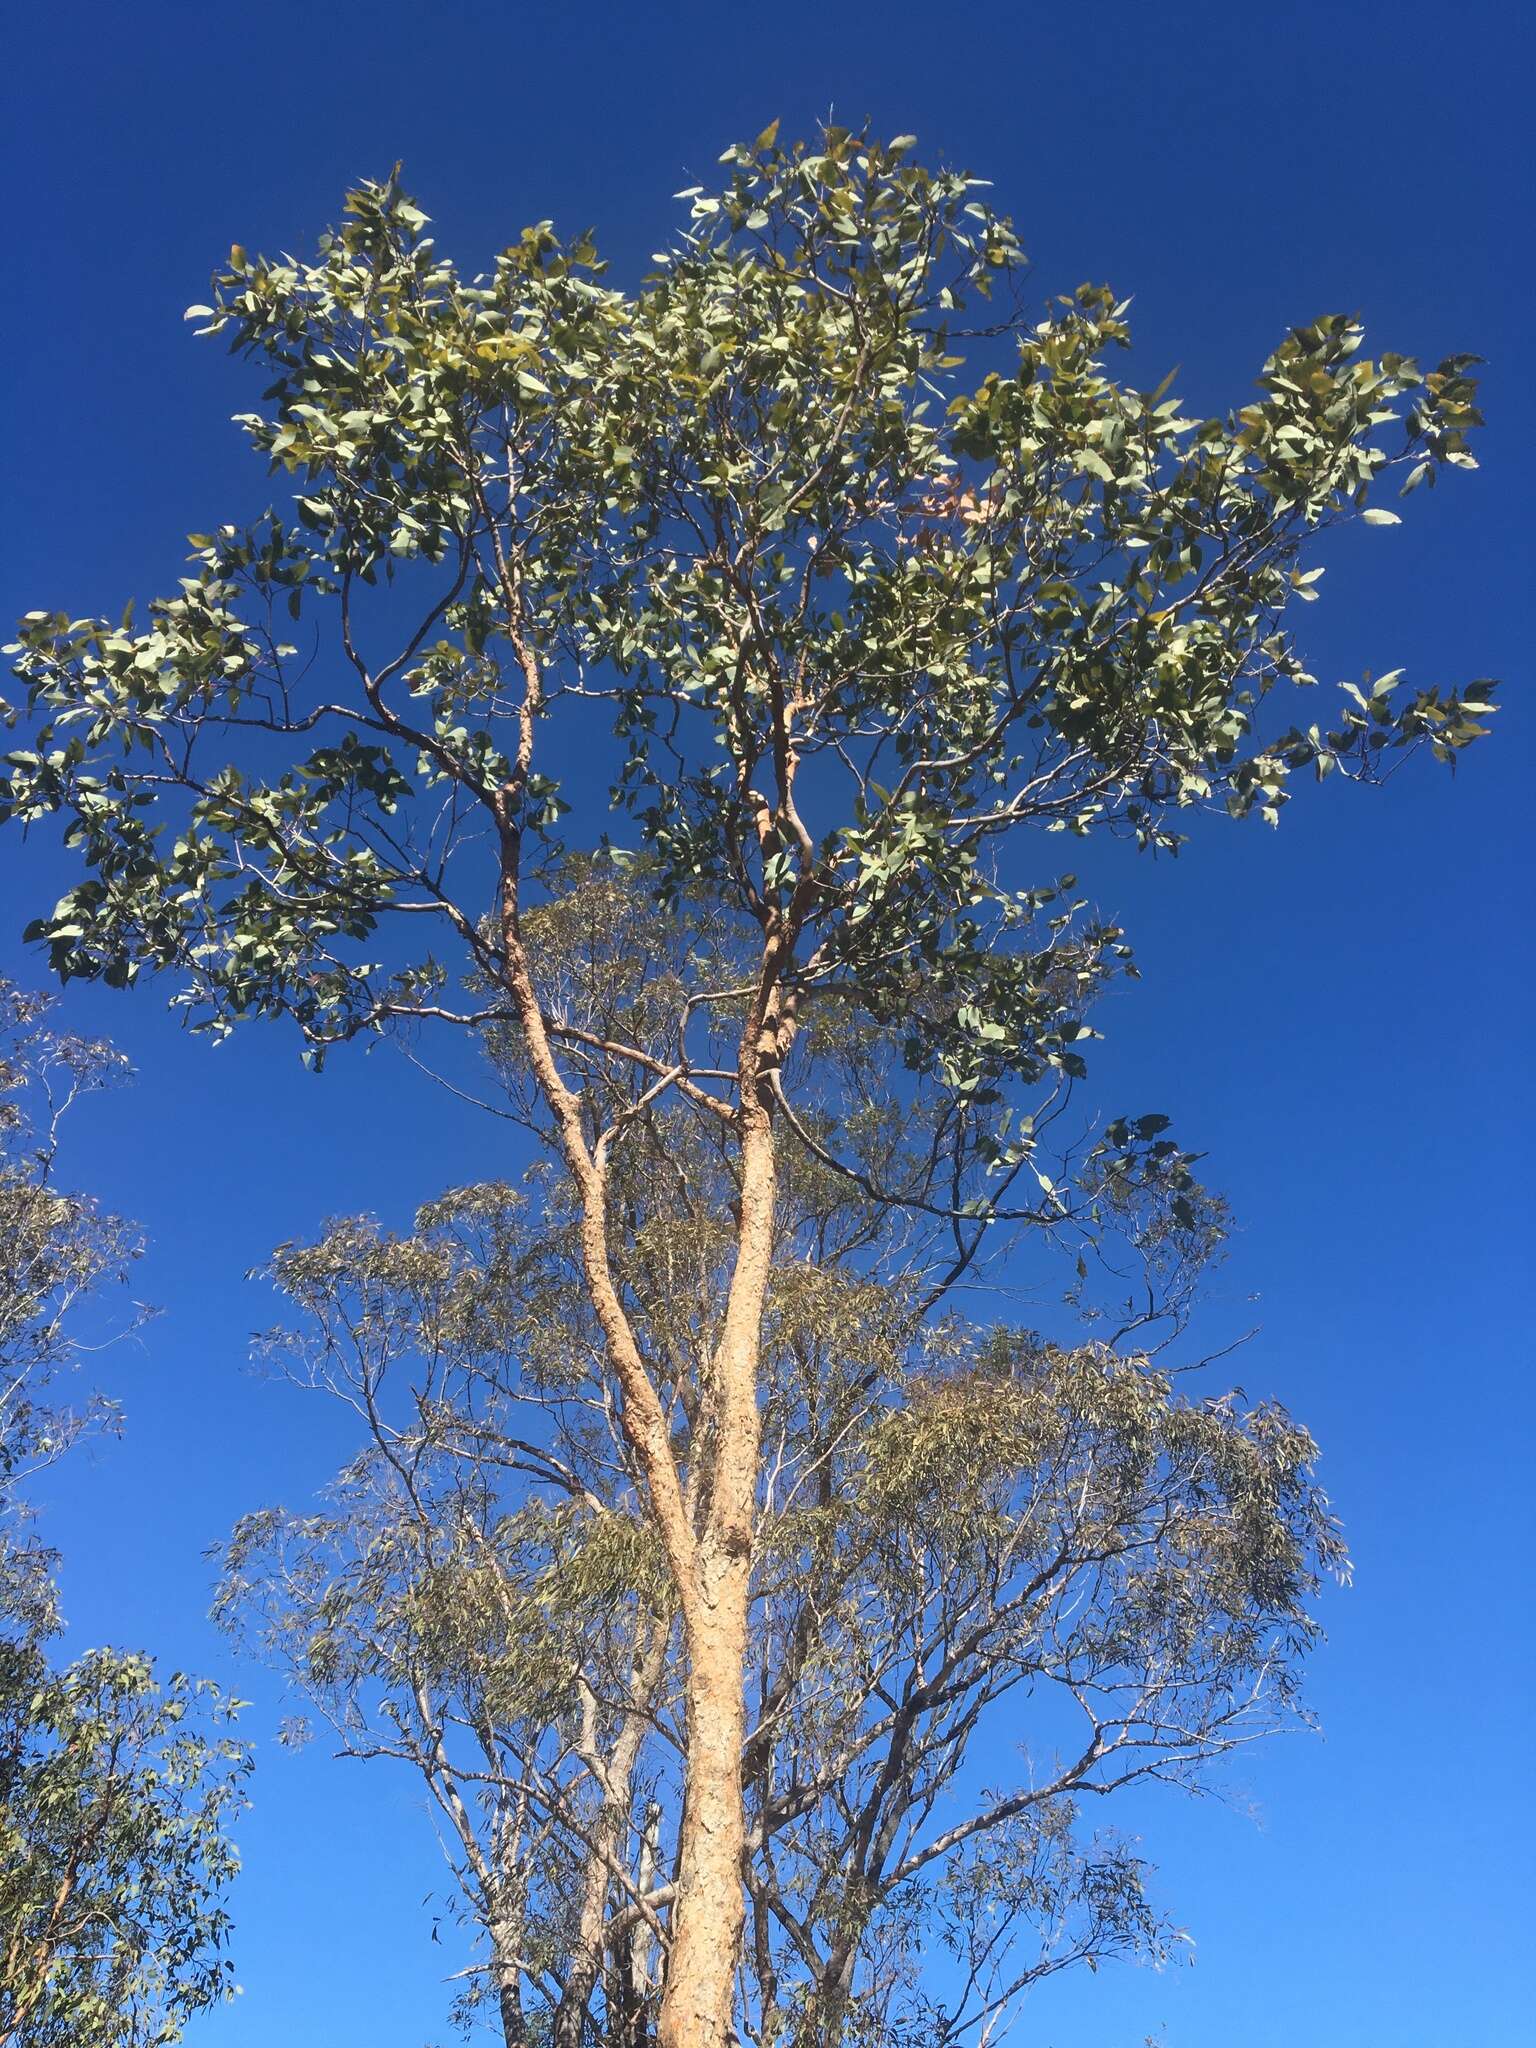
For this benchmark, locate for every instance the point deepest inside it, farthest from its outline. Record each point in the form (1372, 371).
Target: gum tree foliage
(114, 1790)
(846, 568)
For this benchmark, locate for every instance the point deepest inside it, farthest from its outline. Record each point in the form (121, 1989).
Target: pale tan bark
(697, 2005)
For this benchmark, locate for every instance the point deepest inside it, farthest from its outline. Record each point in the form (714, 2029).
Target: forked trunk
(711, 1565)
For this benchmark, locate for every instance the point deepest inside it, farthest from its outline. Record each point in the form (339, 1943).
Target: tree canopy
(765, 512)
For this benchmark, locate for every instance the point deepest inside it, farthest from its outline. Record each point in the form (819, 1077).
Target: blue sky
(1336, 1013)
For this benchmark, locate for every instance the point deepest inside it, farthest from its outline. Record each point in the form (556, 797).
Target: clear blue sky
(1338, 1013)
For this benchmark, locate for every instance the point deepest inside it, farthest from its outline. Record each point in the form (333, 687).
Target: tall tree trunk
(697, 2006)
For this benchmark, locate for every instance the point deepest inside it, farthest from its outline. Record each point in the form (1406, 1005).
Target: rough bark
(697, 2005)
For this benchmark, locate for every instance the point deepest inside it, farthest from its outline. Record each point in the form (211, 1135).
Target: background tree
(114, 1791)
(961, 1531)
(57, 1250)
(868, 570)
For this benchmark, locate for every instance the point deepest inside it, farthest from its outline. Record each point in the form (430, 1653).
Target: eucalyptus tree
(842, 570)
(115, 1790)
